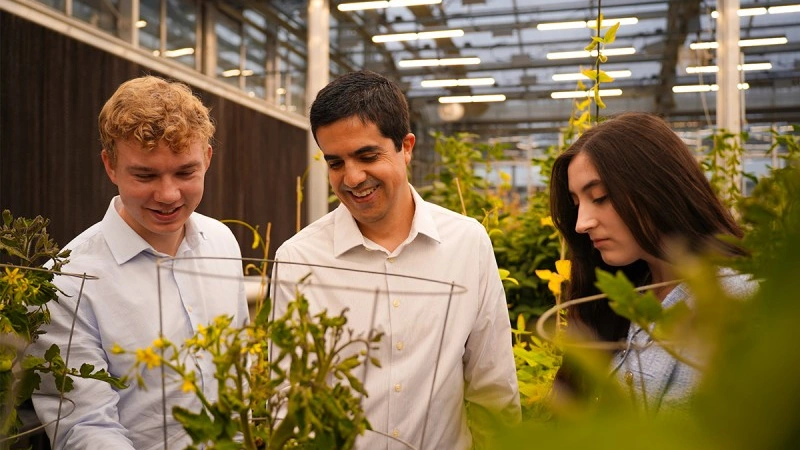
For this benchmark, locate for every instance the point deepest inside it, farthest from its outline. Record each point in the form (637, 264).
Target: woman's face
(597, 216)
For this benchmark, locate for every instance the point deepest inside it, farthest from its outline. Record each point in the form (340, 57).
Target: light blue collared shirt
(122, 307)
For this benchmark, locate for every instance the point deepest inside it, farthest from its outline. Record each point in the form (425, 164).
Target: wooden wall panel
(52, 89)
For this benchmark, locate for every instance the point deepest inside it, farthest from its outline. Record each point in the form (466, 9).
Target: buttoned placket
(398, 342)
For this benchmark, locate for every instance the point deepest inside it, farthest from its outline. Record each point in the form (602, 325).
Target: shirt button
(628, 377)
(189, 308)
(395, 433)
(391, 259)
(396, 303)
(397, 387)
(400, 345)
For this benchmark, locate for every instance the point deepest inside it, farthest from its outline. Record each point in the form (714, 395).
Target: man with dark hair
(439, 351)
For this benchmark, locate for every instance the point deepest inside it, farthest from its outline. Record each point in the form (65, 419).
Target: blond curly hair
(150, 109)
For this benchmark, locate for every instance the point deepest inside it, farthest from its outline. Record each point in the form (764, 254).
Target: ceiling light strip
(689, 88)
(583, 94)
(458, 82)
(580, 76)
(585, 24)
(746, 12)
(397, 37)
(473, 98)
(593, 53)
(406, 63)
(360, 6)
(744, 67)
(742, 43)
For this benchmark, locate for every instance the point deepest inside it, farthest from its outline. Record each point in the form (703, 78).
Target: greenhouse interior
(399, 224)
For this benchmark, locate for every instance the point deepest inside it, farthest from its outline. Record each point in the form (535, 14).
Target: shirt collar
(347, 236)
(125, 243)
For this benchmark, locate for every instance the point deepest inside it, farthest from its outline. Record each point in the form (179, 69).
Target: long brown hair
(658, 189)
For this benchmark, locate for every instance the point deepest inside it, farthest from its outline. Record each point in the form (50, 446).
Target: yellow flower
(547, 221)
(117, 349)
(555, 279)
(149, 357)
(13, 277)
(188, 383)
(159, 343)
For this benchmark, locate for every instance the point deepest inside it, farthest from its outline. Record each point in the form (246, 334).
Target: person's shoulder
(206, 223)
(443, 216)
(313, 233)
(87, 244)
(440, 212)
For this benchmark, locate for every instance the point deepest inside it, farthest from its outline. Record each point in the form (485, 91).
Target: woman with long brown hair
(622, 192)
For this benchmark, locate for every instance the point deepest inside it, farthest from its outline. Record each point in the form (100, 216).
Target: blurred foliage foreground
(749, 396)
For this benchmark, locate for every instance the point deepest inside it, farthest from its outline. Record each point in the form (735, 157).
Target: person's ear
(209, 153)
(111, 171)
(408, 146)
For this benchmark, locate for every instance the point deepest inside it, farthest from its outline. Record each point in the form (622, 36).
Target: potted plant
(29, 261)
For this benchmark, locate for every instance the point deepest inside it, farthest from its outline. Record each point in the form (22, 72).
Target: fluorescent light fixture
(703, 88)
(585, 24)
(561, 25)
(745, 12)
(438, 62)
(593, 53)
(360, 6)
(715, 69)
(175, 53)
(473, 98)
(237, 73)
(417, 36)
(784, 9)
(583, 94)
(141, 23)
(580, 76)
(611, 22)
(742, 43)
(439, 34)
(458, 82)
(763, 41)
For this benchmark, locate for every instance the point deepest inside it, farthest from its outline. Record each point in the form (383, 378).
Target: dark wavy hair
(658, 189)
(367, 95)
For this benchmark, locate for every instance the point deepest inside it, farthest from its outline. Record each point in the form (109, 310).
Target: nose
(354, 176)
(586, 220)
(168, 191)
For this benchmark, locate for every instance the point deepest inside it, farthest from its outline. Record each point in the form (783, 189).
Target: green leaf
(29, 362)
(52, 353)
(641, 309)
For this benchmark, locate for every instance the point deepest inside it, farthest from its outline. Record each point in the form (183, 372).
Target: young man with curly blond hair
(156, 137)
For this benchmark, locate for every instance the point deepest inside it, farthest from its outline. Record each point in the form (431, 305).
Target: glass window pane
(255, 42)
(229, 41)
(99, 13)
(182, 31)
(149, 21)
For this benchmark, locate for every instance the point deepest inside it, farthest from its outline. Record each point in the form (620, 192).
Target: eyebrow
(187, 166)
(589, 186)
(360, 151)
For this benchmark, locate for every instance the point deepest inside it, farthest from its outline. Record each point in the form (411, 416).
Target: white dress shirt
(462, 339)
(122, 307)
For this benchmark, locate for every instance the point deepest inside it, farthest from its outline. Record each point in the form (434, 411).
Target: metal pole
(317, 76)
(729, 112)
